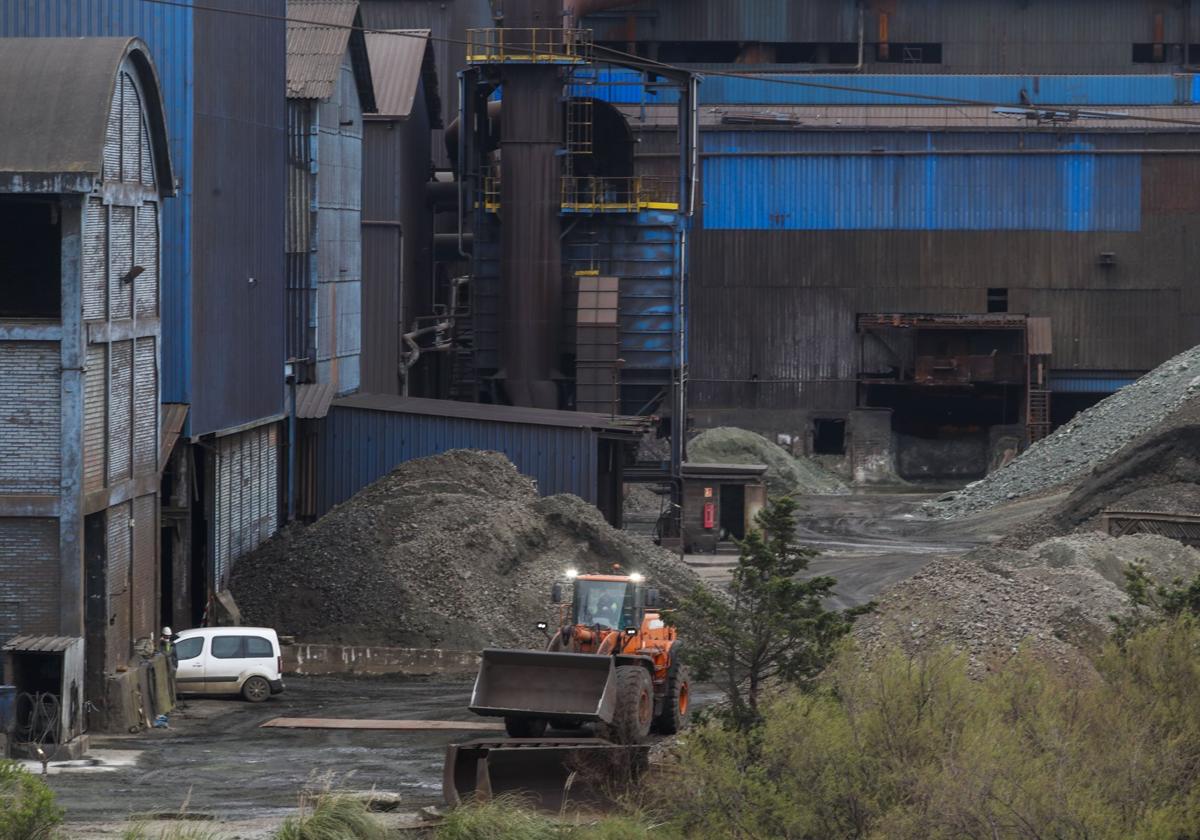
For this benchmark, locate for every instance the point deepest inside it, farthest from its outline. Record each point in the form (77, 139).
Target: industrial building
(329, 89)
(84, 171)
(910, 266)
(222, 300)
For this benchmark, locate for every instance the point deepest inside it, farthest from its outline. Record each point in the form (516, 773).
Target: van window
(227, 647)
(189, 648)
(259, 648)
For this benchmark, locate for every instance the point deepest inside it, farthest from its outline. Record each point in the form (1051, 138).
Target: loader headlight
(636, 577)
(631, 631)
(572, 573)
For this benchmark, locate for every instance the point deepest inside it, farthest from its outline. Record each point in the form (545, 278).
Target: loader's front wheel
(525, 727)
(635, 707)
(676, 712)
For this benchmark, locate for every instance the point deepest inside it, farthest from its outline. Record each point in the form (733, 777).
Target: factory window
(908, 53)
(30, 285)
(829, 436)
(997, 300)
(1155, 53)
(699, 52)
(837, 52)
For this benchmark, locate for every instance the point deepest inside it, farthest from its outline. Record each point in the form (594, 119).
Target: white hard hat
(166, 631)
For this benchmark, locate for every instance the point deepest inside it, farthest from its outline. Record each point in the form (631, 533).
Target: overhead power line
(631, 60)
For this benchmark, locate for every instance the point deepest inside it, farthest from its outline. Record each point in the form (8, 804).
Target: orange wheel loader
(611, 662)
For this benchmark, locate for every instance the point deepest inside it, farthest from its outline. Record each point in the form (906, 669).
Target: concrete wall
(344, 659)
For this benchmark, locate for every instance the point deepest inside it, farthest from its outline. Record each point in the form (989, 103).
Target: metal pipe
(291, 486)
(462, 122)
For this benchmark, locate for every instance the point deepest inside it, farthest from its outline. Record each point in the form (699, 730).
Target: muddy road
(215, 759)
(870, 541)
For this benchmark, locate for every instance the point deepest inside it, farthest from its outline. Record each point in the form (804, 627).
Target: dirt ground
(871, 541)
(216, 761)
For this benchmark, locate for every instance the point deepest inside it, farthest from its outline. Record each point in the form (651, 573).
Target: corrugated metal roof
(41, 644)
(313, 399)
(622, 85)
(691, 470)
(766, 118)
(55, 95)
(496, 413)
(400, 58)
(314, 51)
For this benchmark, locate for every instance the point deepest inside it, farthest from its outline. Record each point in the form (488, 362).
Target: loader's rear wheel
(635, 707)
(525, 727)
(677, 704)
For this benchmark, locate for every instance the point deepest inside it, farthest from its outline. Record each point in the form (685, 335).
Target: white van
(229, 660)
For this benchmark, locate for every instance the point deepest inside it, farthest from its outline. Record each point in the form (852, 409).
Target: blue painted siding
(758, 182)
(623, 86)
(1078, 384)
(357, 446)
(168, 32)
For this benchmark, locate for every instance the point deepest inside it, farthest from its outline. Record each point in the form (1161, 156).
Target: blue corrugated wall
(167, 30)
(357, 446)
(848, 181)
(624, 86)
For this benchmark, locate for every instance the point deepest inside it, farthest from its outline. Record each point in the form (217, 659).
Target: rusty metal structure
(919, 157)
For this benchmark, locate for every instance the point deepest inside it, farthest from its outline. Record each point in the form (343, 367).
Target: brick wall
(29, 601)
(30, 417)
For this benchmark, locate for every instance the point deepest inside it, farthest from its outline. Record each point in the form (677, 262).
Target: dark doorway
(95, 610)
(1065, 406)
(199, 523)
(733, 511)
(829, 436)
(30, 270)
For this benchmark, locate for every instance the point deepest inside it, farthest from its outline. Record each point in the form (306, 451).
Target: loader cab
(610, 602)
(607, 604)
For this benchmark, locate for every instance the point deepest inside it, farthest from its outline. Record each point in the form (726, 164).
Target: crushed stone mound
(786, 475)
(1091, 437)
(455, 551)
(1057, 597)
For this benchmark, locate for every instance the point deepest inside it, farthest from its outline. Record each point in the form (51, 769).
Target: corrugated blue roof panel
(807, 181)
(625, 86)
(168, 31)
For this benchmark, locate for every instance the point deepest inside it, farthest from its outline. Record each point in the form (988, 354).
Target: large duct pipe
(531, 134)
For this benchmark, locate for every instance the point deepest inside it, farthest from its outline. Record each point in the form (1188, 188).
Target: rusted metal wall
(397, 240)
(240, 154)
(979, 36)
(787, 298)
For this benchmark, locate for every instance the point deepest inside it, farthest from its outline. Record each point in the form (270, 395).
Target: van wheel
(256, 689)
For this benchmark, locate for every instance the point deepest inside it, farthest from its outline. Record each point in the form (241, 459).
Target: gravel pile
(455, 551)
(786, 475)
(1056, 597)
(1094, 435)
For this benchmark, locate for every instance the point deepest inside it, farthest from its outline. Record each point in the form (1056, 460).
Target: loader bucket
(546, 771)
(566, 687)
